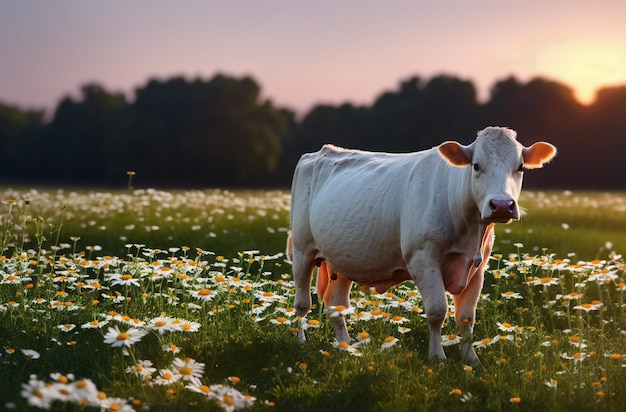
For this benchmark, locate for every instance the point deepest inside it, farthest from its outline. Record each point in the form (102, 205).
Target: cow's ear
(455, 153)
(538, 154)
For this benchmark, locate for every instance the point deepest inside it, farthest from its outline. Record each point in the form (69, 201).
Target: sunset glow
(585, 66)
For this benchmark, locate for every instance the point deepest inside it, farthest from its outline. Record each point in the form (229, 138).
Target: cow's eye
(521, 168)
(476, 167)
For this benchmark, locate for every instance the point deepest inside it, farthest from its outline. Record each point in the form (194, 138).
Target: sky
(304, 53)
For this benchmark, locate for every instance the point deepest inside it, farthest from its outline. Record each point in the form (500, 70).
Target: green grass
(175, 246)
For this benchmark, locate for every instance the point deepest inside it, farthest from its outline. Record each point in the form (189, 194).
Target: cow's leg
(465, 314)
(302, 266)
(433, 291)
(465, 302)
(336, 293)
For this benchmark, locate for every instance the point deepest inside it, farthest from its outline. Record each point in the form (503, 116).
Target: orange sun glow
(585, 66)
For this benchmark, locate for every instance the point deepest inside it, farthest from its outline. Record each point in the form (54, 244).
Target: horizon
(303, 55)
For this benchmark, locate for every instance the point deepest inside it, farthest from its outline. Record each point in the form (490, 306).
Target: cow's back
(347, 206)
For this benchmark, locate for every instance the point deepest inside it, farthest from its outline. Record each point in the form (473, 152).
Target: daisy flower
(507, 327)
(124, 280)
(167, 377)
(116, 404)
(170, 348)
(449, 340)
(230, 399)
(308, 323)
(364, 338)
(388, 342)
(511, 295)
(186, 325)
(577, 342)
(66, 327)
(552, 383)
(545, 281)
(198, 387)
(205, 295)
(281, 320)
(160, 324)
(351, 349)
(403, 329)
(116, 338)
(189, 369)
(588, 307)
(31, 354)
(339, 310)
(37, 393)
(142, 368)
(486, 342)
(94, 324)
(398, 320)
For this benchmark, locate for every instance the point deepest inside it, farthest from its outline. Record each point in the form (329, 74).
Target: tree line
(220, 132)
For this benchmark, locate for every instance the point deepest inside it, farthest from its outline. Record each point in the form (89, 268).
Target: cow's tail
(289, 249)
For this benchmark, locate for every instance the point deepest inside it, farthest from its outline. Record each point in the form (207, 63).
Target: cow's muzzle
(503, 211)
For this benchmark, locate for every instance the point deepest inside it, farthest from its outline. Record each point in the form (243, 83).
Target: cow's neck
(469, 227)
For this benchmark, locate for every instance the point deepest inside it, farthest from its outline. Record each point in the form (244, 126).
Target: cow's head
(497, 162)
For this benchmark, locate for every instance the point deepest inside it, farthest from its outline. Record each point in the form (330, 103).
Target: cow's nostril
(502, 205)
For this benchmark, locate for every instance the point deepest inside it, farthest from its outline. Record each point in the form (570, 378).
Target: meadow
(182, 300)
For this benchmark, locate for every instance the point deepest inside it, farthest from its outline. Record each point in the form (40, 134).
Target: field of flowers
(182, 300)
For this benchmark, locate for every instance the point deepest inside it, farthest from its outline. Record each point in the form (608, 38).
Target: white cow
(379, 219)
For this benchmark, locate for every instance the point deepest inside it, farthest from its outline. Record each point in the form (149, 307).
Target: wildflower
(449, 340)
(569, 296)
(94, 324)
(388, 342)
(185, 325)
(576, 357)
(160, 324)
(352, 349)
(167, 377)
(363, 338)
(189, 369)
(486, 342)
(308, 323)
(545, 281)
(281, 320)
(205, 295)
(116, 338)
(31, 354)
(552, 383)
(116, 404)
(170, 348)
(515, 399)
(511, 295)
(37, 393)
(124, 280)
(339, 310)
(289, 312)
(66, 327)
(403, 329)
(587, 307)
(507, 327)
(198, 387)
(398, 320)
(577, 342)
(142, 368)
(230, 398)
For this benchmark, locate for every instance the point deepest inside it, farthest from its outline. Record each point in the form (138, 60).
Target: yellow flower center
(123, 336)
(185, 370)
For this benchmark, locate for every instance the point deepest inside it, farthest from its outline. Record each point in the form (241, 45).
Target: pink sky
(303, 53)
